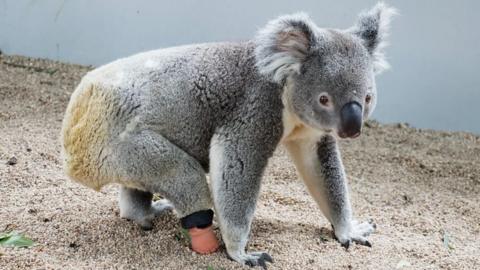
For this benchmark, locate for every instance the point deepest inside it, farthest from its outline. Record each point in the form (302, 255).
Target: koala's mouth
(344, 135)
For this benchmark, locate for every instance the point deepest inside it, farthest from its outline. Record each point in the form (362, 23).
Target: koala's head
(328, 75)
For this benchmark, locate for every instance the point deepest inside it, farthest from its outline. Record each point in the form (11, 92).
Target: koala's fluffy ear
(373, 28)
(283, 44)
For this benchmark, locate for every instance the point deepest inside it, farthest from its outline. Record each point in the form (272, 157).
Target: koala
(160, 121)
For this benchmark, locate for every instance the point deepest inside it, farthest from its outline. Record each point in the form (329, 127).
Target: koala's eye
(323, 100)
(368, 98)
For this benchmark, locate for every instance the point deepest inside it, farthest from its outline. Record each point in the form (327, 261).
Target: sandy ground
(419, 186)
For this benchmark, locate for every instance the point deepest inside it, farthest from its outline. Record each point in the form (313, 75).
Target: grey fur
(283, 44)
(157, 122)
(333, 179)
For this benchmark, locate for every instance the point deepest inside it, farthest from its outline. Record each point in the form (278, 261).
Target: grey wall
(434, 53)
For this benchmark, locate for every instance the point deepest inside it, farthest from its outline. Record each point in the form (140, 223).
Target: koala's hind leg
(148, 160)
(137, 205)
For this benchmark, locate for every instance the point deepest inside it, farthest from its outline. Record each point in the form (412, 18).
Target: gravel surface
(421, 187)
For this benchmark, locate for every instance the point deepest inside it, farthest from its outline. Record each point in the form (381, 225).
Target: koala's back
(183, 93)
(85, 132)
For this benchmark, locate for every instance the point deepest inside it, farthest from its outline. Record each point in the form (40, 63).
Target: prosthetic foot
(199, 226)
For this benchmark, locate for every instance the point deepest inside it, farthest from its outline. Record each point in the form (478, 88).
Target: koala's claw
(254, 259)
(372, 223)
(259, 259)
(356, 233)
(265, 256)
(146, 225)
(346, 244)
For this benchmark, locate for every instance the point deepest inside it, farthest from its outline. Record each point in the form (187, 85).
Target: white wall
(435, 51)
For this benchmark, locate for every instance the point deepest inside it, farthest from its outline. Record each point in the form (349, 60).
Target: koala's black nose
(351, 120)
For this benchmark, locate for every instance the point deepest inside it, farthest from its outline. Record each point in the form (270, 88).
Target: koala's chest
(294, 129)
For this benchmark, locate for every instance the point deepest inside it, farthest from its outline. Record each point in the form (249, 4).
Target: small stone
(29, 149)
(12, 161)
(371, 124)
(402, 125)
(406, 199)
(402, 264)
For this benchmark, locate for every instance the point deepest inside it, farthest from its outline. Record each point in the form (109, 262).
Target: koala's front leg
(320, 166)
(236, 169)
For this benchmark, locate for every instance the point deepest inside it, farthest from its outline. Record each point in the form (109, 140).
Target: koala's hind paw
(160, 206)
(254, 259)
(356, 233)
(144, 217)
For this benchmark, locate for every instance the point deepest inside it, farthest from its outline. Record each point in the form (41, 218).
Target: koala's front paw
(253, 259)
(355, 232)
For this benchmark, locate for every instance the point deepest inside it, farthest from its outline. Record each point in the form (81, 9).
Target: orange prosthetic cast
(199, 226)
(204, 240)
